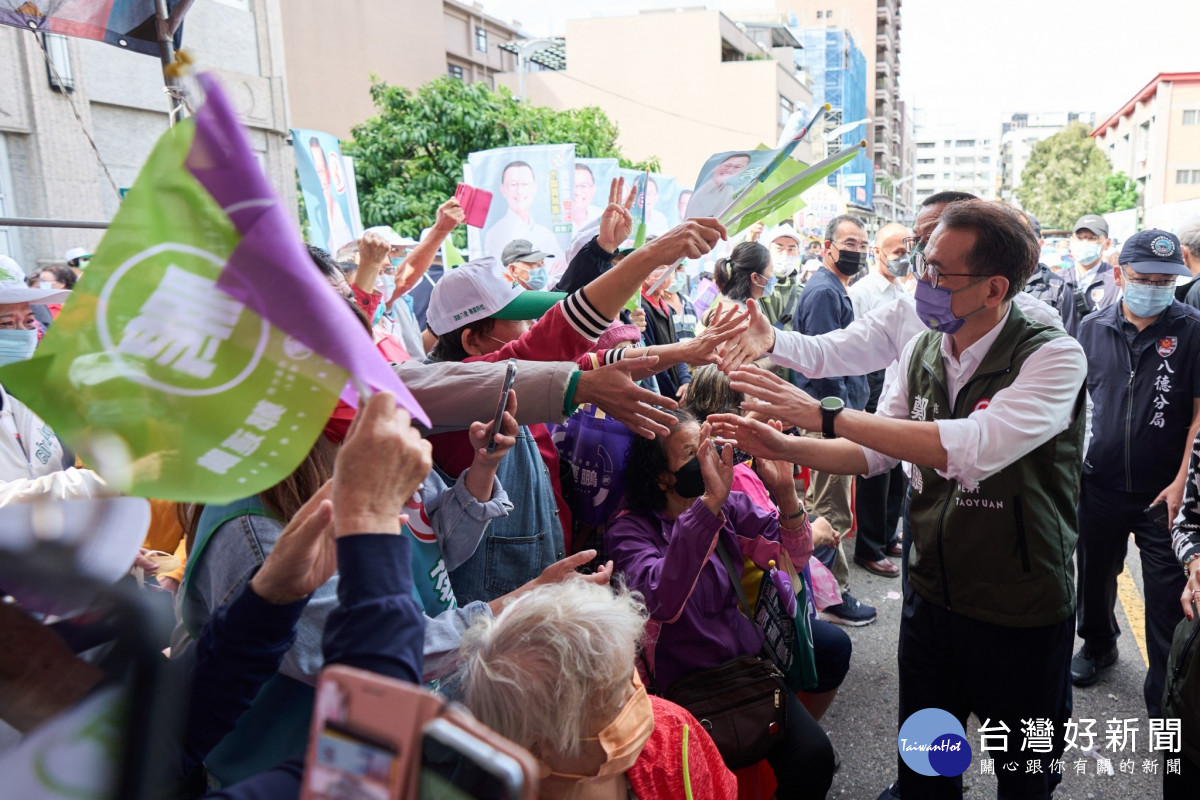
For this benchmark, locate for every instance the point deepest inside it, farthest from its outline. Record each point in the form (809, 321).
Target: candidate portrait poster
(532, 187)
(722, 177)
(326, 189)
(661, 199)
(593, 177)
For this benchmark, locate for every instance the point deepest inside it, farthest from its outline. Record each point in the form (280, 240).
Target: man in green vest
(988, 408)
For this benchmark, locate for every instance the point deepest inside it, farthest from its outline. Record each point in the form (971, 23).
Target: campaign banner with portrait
(660, 195)
(593, 176)
(723, 176)
(325, 187)
(531, 187)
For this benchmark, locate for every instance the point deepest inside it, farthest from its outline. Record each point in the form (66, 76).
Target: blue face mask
(1148, 301)
(677, 283)
(933, 306)
(17, 345)
(538, 278)
(769, 289)
(396, 262)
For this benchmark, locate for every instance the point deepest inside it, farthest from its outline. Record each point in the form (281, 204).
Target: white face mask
(1085, 252)
(785, 264)
(17, 345)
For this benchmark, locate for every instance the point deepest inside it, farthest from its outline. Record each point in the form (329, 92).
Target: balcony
(885, 15)
(883, 69)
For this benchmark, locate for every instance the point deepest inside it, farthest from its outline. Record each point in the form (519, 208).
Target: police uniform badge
(1096, 294)
(1167, 345)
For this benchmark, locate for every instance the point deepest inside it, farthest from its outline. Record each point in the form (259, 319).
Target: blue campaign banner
(325, 187)
(532, 188)
(661, 198)
(593, 176)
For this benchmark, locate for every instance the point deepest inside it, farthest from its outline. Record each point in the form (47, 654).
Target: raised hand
(480, 432)
(752, 436)
(304, 556)
(717, 469)
(612, 390)
(373, 250)
(776, 474)
(751, 344)
(704, 348)
(616, 223)
(691, 238)
(380, 465)
(771, 396)
(449, 216)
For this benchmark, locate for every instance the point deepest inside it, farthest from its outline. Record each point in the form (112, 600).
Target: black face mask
(689, 481)
(849, 263)
(899, 266)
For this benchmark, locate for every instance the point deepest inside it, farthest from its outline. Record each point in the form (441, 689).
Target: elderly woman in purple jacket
(679, 506)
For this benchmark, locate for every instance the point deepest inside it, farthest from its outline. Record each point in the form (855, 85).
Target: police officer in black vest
(1144, 379)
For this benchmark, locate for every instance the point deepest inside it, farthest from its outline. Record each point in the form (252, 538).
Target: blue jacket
(825, 306)
(1142, 396)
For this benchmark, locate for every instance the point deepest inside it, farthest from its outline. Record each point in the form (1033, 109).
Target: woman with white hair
(554, 672)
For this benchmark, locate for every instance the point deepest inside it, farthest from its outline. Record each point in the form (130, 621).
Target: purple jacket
(688, 592)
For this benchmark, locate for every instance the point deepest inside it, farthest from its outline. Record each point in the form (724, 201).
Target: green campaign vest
(1001, 553)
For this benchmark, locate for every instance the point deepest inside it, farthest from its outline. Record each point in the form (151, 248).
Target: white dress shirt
(510, 227)
(873, 291)
(1019, 418)
(873, 342)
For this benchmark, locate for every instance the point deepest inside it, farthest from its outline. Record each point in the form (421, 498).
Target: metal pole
(166, 54)
(34, 222)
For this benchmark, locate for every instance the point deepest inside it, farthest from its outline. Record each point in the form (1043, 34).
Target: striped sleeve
(583, 316)
(1185, 537)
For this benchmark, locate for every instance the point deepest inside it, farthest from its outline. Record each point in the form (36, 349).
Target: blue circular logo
(1163, 247)
(932, 742)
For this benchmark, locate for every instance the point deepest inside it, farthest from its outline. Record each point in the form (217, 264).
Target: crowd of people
(932, 394)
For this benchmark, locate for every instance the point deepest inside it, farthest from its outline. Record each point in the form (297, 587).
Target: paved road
(862, 721)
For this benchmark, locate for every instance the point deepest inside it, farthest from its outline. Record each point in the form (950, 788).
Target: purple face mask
(933, 306)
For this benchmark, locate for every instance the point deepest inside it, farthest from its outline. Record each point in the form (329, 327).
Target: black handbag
(740, 704)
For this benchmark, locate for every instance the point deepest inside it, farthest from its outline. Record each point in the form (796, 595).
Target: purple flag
(271, 271)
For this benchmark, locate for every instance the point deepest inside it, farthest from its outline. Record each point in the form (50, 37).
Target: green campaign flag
(453, 257)
(779, 196)
(162, 382)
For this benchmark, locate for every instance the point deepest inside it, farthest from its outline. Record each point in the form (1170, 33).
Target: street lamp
(526, 48)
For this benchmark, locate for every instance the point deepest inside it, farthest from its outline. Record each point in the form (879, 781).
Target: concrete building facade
(699, 85)
(48, 168)
(334, 51)
(1019, 132)
(1155, 140)
(950, 157)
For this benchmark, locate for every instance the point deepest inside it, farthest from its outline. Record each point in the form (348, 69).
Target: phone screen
(455, 772)
(351, 767)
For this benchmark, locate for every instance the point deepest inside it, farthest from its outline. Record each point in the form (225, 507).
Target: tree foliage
(1120, 193)
(1065, 177)
(409, 158)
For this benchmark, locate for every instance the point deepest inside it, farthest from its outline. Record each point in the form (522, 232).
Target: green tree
(409, 158)
(1120, 193)
(1065, 178)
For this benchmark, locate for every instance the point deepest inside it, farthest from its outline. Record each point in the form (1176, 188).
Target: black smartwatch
(830, 408)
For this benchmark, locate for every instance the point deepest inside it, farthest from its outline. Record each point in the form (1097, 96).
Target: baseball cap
(74, 253)
(522, 250)
(478, 290)
(780, 232)
(14, 290)
(1092, 222)
(391, 237)
(1154, 252)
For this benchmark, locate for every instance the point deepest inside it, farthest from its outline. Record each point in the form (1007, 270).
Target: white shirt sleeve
(893, 403)
(1036, 407)
(866, 345)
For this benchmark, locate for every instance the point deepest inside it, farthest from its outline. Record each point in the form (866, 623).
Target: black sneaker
(1087, 665)
(849, 612)
(890, 793)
